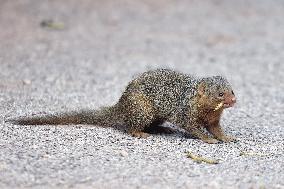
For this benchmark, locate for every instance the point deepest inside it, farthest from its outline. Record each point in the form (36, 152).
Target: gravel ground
(103, 45)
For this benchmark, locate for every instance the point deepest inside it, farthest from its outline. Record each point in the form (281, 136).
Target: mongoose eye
(221, 94)
(233, 92)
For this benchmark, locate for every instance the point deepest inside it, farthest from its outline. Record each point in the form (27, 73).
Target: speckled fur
(155, 97)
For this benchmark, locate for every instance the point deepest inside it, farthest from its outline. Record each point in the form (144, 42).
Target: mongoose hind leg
(137, 122)
(139, 114)
(137, 127)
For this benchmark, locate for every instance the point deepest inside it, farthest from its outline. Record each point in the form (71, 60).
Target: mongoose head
(216, 93)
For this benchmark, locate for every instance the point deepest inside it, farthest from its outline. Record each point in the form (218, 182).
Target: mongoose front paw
(228, 139)
(210, 140)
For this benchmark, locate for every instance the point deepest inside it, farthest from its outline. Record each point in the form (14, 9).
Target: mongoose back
(194, 104)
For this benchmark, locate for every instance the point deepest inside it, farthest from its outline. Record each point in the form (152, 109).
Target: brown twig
(200, 159)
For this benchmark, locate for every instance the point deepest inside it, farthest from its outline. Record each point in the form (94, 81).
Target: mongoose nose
(234, 100)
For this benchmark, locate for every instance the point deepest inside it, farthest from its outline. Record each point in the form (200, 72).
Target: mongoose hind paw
(139, 134)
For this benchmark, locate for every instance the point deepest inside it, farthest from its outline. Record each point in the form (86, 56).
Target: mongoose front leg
(196, 131)
(216, 130)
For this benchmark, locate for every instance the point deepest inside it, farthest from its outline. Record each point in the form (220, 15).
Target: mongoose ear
(201, 88)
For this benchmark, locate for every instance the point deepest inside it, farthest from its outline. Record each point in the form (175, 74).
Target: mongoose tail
(106, 116)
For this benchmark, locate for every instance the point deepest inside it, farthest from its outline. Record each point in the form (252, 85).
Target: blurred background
(67, 44)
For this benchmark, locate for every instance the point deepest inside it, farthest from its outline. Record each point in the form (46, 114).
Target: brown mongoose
(194, 104)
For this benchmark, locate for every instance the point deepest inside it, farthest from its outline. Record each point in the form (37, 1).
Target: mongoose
(194, 104)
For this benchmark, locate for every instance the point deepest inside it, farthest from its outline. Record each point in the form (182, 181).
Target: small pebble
(27, 82)
(123, 153)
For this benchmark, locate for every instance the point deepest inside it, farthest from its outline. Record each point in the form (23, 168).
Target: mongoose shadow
(153, 98)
